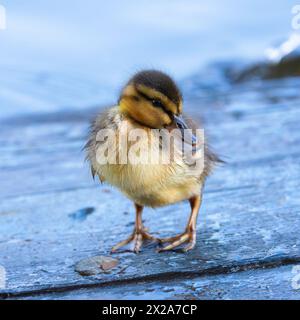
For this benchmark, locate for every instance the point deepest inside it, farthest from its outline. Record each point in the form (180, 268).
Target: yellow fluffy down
(151, 185)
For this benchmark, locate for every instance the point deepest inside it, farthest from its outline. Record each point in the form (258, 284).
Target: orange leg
(189, 235)
(139, 233)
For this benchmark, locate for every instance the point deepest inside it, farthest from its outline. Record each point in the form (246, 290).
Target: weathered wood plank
(237, 229)
(250, 213)
(275, 283)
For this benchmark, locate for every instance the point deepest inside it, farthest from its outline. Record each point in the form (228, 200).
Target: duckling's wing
(211, 159)
(105, 120)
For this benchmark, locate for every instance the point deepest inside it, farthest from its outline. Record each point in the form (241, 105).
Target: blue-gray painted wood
(249, 220)
(274, 283)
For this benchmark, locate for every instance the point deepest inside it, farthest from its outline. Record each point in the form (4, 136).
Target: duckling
(151, 100)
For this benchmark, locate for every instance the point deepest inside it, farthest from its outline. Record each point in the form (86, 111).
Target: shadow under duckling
(151, 101)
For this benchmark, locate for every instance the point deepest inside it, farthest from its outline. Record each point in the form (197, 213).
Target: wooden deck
(52, 214)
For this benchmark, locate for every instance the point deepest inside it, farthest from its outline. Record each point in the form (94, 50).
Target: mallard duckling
(151, 100)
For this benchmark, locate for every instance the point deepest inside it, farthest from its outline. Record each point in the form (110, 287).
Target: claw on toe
(188, 236)
(137, 239)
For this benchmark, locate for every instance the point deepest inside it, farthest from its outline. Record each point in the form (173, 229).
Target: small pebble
(95, 265)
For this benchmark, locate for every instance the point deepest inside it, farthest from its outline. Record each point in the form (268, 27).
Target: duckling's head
(152, 99)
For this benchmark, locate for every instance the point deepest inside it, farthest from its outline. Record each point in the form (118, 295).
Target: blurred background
(67, 54)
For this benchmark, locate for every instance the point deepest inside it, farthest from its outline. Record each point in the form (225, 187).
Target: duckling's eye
(157, 104)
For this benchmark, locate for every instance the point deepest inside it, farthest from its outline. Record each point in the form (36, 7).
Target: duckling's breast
(152, 185)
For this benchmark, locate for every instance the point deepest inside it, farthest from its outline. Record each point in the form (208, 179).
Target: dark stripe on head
(158, 81)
